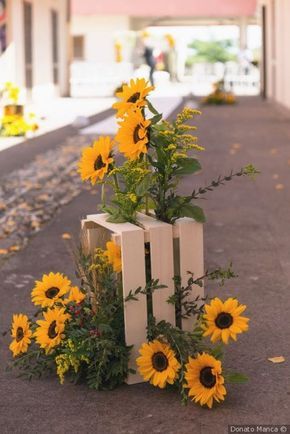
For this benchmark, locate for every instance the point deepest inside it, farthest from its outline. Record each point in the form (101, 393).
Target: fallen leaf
(14, 248)
(236, 146)
(3, 251)
(275, 176)
(279, 186)
(66, 236)
(278, 359)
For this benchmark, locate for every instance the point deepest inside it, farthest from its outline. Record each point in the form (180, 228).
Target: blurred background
(88, 48)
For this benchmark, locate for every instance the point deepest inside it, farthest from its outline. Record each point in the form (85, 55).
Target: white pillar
(243, 24)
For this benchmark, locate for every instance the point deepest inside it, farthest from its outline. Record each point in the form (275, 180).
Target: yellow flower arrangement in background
(21, 334)
(50, 330)
(158, 363)
(50, 289)
(113, 254)
(170, 39)
(204, 379)
(96, 160)
(223, 320)
(132, 96)
(132, 135)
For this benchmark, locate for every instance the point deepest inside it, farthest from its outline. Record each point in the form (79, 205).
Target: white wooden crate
(163, 260)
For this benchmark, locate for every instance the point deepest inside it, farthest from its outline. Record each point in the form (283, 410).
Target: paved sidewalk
(248, 223)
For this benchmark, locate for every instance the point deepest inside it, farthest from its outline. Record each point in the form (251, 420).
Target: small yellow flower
(62, 366)
(223, 320)
(113, 253)
(96, 160)
(158, 363)
(21, 333)
(204, 379)
(133, 198)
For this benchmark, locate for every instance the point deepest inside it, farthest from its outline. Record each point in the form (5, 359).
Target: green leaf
(187, 166)
(116, 218)
(156, 119)
(235, 378)
(217, 352)
(151, 108)
(193, 211)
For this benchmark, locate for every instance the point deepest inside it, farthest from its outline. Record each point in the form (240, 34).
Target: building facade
(275, 17)
(34, 46)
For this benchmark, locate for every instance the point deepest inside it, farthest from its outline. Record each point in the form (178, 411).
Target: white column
(243, 23)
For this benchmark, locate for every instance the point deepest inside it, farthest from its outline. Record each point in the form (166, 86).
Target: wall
(99, 33)
(277, 49)
(43, 86)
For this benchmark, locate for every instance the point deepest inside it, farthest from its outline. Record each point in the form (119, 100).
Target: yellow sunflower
(50, 331)
(50, 289)
(204, 379)
(75, 295)
(158, 363)
(223, 320)
(21, 333)
(132, 135)
(96, 159)
(113, 253)
(132, 95)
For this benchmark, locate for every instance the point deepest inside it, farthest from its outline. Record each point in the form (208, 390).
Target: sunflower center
(52, 292)
(159, 361)
(52, 333)
(99, 164)
(224, 320)
(134, 98)
(19, 334)
(207, 378)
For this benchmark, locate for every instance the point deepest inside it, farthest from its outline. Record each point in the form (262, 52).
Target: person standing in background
(148, 55)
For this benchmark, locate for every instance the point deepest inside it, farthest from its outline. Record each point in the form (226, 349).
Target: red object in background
(172, 8)
(2, 11)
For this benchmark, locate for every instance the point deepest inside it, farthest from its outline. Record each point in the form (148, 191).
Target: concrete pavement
(248, 223)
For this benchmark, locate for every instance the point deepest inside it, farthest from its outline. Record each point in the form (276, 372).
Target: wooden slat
(162, 265)
(135, 312)
(89, 236)
(133, 276)
(191, 258)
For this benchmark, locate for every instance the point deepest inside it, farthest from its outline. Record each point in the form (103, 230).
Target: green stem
(146, 195)
(103, 195)
(116, 182)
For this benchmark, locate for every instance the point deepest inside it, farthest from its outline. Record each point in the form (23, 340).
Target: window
(78, 47)
(55, 54)
(28, 53)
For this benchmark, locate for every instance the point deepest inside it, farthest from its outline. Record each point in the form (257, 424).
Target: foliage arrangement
(219, 96)
(158, 155)
(79, 332)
